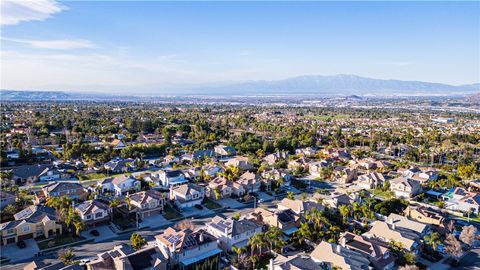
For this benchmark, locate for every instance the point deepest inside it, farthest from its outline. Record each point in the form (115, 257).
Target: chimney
(226, 231)
(338, 249)
(393, 226)
(174, 247)
(201, 238)
(343, 241)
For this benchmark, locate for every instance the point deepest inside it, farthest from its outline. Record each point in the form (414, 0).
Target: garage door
(11, 240)
(25, 236)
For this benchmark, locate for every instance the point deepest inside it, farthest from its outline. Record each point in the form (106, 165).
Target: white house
(187, 195)
(231, 232)
(93, 211)
(120, 185)
(171, 178)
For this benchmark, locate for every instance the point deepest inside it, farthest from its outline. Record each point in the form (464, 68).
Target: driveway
(264, 196)
(471, 260)
(230, 203)
(195, 212)
(156, 221)
(105, 233)
(16, 254)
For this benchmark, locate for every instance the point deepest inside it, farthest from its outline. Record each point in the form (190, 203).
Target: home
(251, 182)
(459, 199)
(275, 157)
(284, 219)
(240, 162)
(293, 262)
(188, 250)
(147, 203)
(220, 187)
(33, 173)
(368, 163)
(171, 178)
(152, 178)
(202, 154)
(376, 252)
(299, 207)
(93, 212)
(7, 198)
(120, 185)
(58, 189)
(307, 152)
(329, 255)
(301, 163)
(225, 151)
(31, 222)
(405, 187)
(281, 176)
(371, 180)
(315, 168)
(187, 195)
(400, 229)
(231, 232)
(119, 165)
(345, 175)
(117, 144)
(424, 214)
(124, 257)
(337, 199)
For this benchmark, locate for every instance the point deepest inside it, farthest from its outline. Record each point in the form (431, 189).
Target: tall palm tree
(79, 226)
(113, 205)
(256, 242)
(344, 211)
(274, 236)
(432, 240)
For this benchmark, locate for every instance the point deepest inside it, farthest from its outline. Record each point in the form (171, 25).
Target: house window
(10, 231)
(88, 216)
(99, 215)
(26, 229)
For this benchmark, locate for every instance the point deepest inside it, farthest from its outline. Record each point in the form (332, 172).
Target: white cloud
(59, 44)
(16, 11)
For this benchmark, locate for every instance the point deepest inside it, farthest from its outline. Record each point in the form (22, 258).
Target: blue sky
(131, 45)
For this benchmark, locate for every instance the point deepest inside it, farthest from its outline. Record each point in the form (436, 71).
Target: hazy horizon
(123, 46)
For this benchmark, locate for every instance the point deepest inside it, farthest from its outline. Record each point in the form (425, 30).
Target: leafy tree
(453, 246)
(66, 256)
(432, 240)
(137, 241)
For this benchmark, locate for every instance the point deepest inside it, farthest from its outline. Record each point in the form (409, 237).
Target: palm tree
(304, 232)
(70, 218)
(79, 226)
(256, 242)
(274, 236)
(344, 211)
(114, 204)
(432, 240)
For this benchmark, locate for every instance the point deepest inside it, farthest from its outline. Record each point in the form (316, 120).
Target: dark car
(198, 206)
(21, 244)
(94, 233)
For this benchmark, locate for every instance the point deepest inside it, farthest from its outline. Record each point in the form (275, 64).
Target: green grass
(472, 219)
(170, 213)
(58, 241)
(91, 176)
(211, 204)
(379, 193)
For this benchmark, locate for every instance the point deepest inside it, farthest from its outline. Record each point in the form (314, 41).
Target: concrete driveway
(230, 203)
(16, 254)
(104, 231)
(156, 221)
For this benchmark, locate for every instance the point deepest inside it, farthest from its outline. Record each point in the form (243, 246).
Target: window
(88, 216)
(99, 215)
(26, 228)
(10, 231)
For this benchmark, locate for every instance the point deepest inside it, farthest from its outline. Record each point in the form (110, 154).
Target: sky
(122, 46)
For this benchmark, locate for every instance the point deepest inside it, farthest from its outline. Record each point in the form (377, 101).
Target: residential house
(58, 189)
(120, 185)
(33, 173)
(459, 199)
(240, 162)
(299, 163)
(376, 252)
(345, 175)
(424, 214)
(278, 175)
(117, 144)
(202, 154)
(220, 187)
(329, 255)
(119, 165)
(368, 163)
(231, 232)
(225, 151)
(251, 182)
(337, 199)
(7, 198)
(106, 260)
(307, 152)
(404, 187)
(170, 178)
(401, 229)
(187, 195)
(293, 262)
(299, 207)
(147, 203)
(315, 168)
(285, 219)
(189, 250)
(125, 258)
(275, 157)
(371, 180)
(93, 212)
(31, 222)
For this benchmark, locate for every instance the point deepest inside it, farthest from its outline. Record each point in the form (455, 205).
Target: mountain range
(314, 85)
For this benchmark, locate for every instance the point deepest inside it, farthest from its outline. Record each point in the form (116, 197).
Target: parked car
(21, 244)
(94, 233)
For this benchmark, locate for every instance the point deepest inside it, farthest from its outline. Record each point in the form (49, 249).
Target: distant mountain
(337, 84)
(351, 86)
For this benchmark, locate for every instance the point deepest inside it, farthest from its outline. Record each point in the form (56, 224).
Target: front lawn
(123, 223)
(59, 240)
(211, 204)
(170, 213)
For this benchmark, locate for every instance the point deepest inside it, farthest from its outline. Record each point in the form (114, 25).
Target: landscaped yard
(211, 204)
(58, 241)
(123, 223)
(171, 213)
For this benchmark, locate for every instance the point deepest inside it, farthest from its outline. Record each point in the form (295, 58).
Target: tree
(114, 204)
(79, 226)
(408, 267)
(137, 241)
(468, 234)
(185, 224)
(66, 256)
(274, 237)
(10, 210)
(467, 171)
(344, 211)
(290, 195)
(433, 240)
(453, 246)
(256, 242)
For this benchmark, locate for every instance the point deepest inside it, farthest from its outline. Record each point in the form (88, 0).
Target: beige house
(286, 220)
(224, 189)
(424, 214)
(329, 255)
(240, 162)
(405, 187)
(31, 222)
(147, 203)
(299, 207)
(371, 180)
